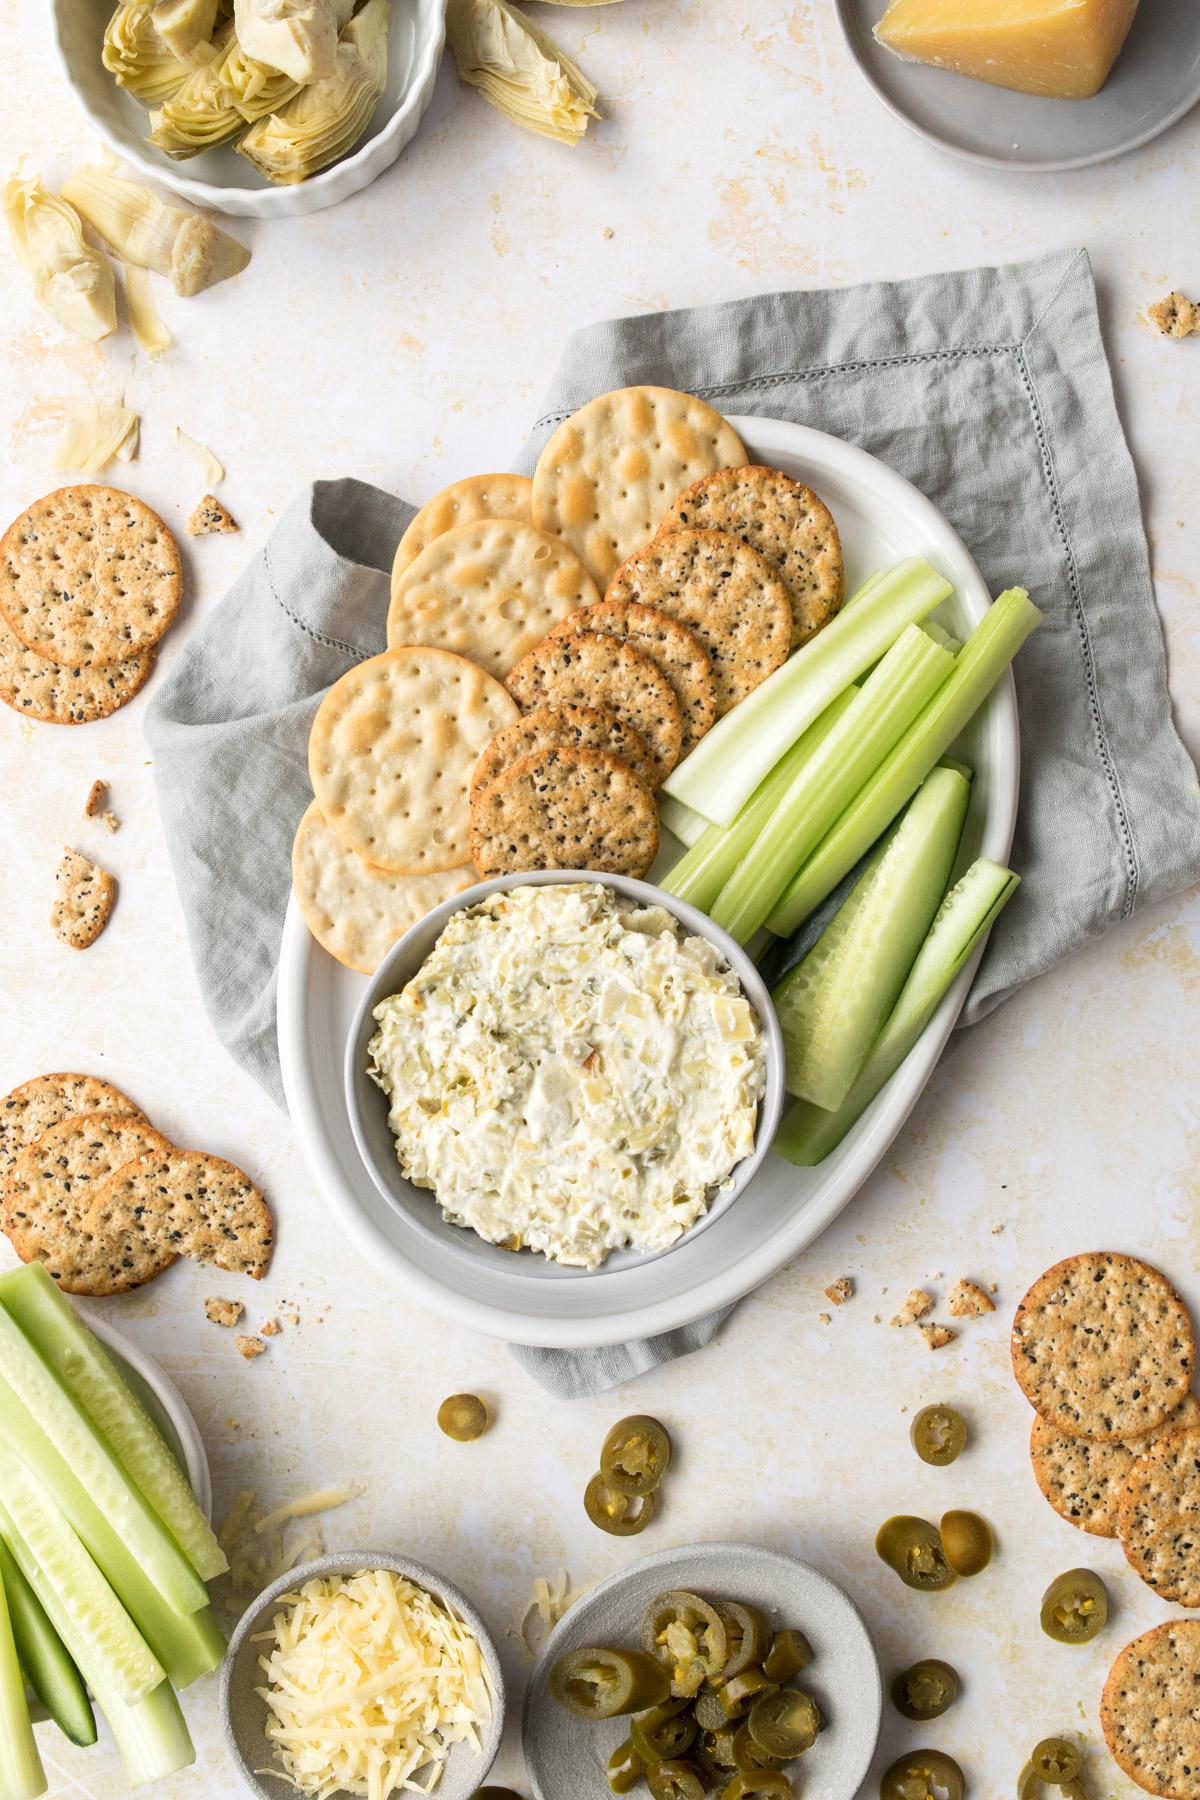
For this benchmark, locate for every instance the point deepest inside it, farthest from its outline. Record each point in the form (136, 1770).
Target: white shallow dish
(1155, 81)
(220, 178)
(163, 1401)
(566, 1755)
(882, 518)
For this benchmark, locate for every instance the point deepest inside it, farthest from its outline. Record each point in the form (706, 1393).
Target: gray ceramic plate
(244, 1715)
(563, 1755)
(1155, 82)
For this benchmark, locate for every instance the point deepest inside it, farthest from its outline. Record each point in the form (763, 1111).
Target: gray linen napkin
(989, 389)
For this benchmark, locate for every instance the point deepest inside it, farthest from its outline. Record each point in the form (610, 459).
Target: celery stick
(699, 876)
(977, 668)
(49, 1671)
(186, 1644)
(729, 761)
(833, 1006)
(888, 701)
(22, 1776)
(86, 1370)
(808, 1133)
(150, 1735)
(80, 1444)
(681, 821)
(98, 1615)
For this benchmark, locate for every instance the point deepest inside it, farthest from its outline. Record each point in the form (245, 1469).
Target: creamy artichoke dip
(570, 1072)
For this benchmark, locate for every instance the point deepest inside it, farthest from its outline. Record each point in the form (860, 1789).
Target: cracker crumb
(875, 1319)
(967, 1300)
(915, 1307)
(841, 1290)
(83, 899)
(606, 231)
(937, 1335)
(1176, 316)
(824, 1318)
(270, 1329)
(996, 1230)
(222, 1312)
(111, 823)
(208, 518)
(249, 1347)
(95, 799)
(290, 1318)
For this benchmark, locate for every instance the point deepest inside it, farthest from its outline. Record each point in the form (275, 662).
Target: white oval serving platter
(882, 518)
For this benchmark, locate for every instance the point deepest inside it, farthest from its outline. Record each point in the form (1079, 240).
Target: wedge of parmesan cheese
(369, 1683)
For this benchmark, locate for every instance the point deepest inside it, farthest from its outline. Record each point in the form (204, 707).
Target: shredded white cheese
(322, 1501)
(369, 1684)
(545, 1609)
(210, 465)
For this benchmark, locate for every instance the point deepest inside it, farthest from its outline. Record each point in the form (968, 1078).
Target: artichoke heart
(254, 87)
(70, 279)
(186, 27)
(202, 114)
(136, 57)
(186, 247)
(519, 70)
(327, 119)
(297, 37)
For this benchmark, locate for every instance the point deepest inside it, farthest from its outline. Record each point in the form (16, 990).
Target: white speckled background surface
(406, 337)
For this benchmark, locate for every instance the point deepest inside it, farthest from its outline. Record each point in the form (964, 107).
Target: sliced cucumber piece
(832, 1006)
(86, 1370)
(808, 1133)
(80, 1445)
(186, 1644)
(43, 1537)
(151, 1735)
(49, 1671)
(22, 1776)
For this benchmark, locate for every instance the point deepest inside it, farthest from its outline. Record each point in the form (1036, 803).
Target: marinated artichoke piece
(255, 88)
(325, 120)
(298, 38)
(70, 279)
(145, 319)
(190, 250)
(202, 114)
(136, 57)
(519, 70)
(186, 27)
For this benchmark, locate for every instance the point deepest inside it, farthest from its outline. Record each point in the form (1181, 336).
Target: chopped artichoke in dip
(202, 113)
(70, 279)
(188, 248)
(297, 37)
(327, 118)
(136, 57)
(570, 1072)
(186, 27)
(520, 70)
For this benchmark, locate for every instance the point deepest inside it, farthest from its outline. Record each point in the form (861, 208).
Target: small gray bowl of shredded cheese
(362, 1674)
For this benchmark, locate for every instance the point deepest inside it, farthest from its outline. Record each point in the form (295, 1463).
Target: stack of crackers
(555, 647)
(89, 1188)
(1103, 1347)
(90, 579)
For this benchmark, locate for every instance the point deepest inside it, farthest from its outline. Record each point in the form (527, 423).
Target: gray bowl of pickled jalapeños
(566, 1754)
(367, 1104)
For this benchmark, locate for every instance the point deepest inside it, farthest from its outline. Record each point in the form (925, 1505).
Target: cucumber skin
(22, 1776)
(48, 1668)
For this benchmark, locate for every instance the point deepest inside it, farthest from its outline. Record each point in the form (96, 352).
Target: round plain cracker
(391, 753)
(489, 591)
(1150, 1713)
(607, 473)
(593, 670)
(463, 503)
(1084, 1478)
(50, 1193)
(355, 911)
(551, 727)
(31, 1109)
(1160, 1515)
(565, 809)
(89, 575)
(1102, 1346)
(40, 689)
(202, 1206)
(785, 522)
(677, 651)
(730, 596)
